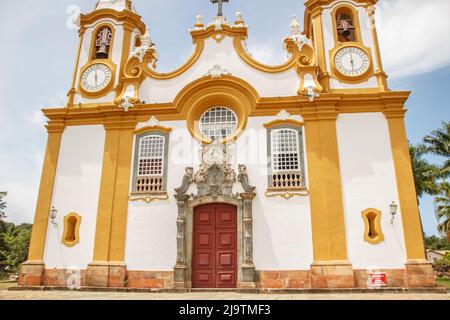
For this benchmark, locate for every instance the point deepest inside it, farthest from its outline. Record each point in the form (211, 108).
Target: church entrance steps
(436, 290)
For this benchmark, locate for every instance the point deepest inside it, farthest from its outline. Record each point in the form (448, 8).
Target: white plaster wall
(76, 189)
(224, 54)
(368, 181)
(282, 229)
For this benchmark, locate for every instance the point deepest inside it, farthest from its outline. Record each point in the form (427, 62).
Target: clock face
(352, 62)
(96, 77)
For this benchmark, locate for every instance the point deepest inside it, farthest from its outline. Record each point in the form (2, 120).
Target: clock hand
(352, 62)
(96, 77)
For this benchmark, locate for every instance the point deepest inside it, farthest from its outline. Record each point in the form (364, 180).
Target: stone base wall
(150, 279)
(323, 277)
(283, 279)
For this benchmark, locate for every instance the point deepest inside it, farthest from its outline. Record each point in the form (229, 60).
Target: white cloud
(414, 35)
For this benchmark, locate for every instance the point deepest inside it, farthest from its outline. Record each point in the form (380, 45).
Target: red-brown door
(214, 260)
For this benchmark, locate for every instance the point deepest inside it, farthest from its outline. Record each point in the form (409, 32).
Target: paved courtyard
(76, 295)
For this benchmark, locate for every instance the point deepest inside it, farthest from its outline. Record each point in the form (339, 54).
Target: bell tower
(346, 41)
(107, 37)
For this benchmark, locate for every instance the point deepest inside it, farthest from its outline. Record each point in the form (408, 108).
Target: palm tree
(443, 210)
(425, 173)
(438, 143)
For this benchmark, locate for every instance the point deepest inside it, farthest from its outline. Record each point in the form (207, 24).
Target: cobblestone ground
(76, 295)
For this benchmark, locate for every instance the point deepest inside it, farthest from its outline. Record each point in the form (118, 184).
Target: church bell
(102, 52)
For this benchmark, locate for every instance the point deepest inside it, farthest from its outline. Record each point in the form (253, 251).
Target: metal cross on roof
(220, 7)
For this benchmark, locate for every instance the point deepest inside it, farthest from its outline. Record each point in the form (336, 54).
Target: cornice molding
(120, 16)
(390, 103)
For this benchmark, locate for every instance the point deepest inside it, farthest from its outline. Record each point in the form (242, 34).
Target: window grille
(286, 160)
(150, 171)
(218, 123)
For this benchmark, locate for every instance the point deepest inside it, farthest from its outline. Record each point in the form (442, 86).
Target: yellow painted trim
(280, 122)
(94, 39)
(72, 91)
(327, 211)
(218, 35)
(120, 16)
(114, 189)
(44, 202)
(323, 77)
(379, 72)
(375, 228)
(200, 45)
(152, 129)
(335, 73)
(412, 228)
(126, 48)
(351, 101)
(247, 58)
(76, 230)
(287, 194)
(148, 198)
(106, 89)
(122, 187)
(206, 93)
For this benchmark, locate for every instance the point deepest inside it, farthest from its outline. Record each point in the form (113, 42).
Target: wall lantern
(53, 215)
(393, 207)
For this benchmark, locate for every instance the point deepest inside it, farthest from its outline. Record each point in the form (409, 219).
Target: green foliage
(14, 244)
(443, 210)
(436, 243)
(425, 173)
(438, 143)
(442, 267)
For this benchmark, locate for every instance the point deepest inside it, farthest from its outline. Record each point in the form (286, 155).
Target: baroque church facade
(227, 172)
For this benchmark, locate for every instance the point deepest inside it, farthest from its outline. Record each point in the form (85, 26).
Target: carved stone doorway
(214, 184)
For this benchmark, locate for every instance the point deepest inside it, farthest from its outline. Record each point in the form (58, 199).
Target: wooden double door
(214, 259)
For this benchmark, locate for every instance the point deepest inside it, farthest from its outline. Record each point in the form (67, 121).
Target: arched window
(102, 44)
(286, 169)
(150, 163)
(218, 123)
(346, 25)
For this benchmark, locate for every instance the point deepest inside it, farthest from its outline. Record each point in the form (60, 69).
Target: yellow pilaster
(72, 91)
(126, 47)
(380, 74)
(44, 203)
(327, 211)
(324, 76)
(114, 188)
(412, 227)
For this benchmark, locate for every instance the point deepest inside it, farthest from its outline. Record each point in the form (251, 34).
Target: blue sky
(38, 55)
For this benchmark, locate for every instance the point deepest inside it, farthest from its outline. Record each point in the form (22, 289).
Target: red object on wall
(378, 279)
(214, 259)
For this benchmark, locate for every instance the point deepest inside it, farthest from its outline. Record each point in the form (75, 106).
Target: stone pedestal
(180, 277)
(332, 274)
(32, 274)
(420, 274)
(106, 275)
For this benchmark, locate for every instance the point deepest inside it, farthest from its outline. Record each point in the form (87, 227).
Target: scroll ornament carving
(214, 180)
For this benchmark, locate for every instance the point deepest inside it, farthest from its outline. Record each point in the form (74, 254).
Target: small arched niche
(346, 24)
(71, 234)
(372, 221)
